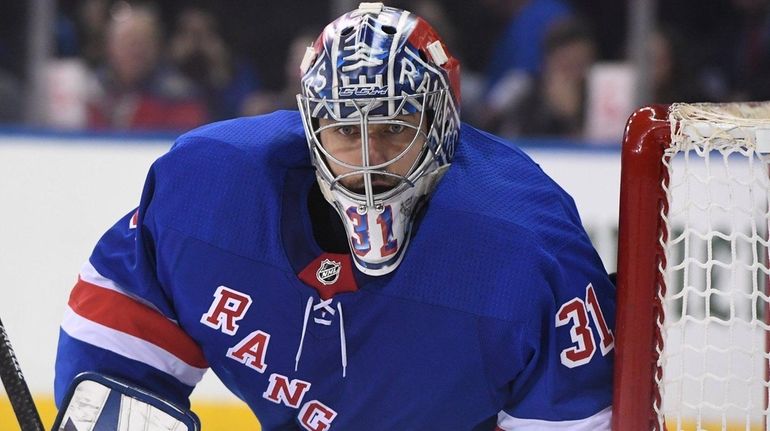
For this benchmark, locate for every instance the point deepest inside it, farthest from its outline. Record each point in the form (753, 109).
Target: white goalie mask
(380, 107)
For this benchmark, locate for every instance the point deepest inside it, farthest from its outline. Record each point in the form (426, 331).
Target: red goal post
(641, 199)
(691, 327)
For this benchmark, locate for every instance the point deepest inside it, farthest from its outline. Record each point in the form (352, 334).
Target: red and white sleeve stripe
(598, 422)
(101, 314)
(89, 274)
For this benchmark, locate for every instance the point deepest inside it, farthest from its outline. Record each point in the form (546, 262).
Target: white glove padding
(98, 402)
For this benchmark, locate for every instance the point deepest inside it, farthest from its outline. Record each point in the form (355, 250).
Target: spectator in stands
(554, 104)
(10, 98)
(286, 98)
(728, 46)
(745, 53)
(520, 49)
(435, 12)
(200, 52)
(668, 67)
(134, 90)
(91, 18)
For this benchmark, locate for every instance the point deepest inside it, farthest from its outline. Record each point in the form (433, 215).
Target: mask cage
(432, 132)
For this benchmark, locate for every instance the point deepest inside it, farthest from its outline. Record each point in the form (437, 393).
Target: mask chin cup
(379, 235)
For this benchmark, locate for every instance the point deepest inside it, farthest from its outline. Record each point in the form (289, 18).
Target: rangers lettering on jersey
(282, 391)
(315, 416)
(229, 306)
(134, 220)
(251, 351)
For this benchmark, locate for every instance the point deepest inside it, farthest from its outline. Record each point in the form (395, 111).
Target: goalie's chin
(376, 189)
(379, 186)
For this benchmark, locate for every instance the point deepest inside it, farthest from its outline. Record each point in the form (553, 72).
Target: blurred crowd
(542, 68)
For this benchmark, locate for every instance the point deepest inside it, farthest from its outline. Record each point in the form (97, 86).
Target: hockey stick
(16, 387)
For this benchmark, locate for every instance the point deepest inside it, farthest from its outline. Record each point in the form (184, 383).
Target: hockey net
(692, 350)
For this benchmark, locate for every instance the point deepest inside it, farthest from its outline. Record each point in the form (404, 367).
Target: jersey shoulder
(278, 138)
(223, 183)
(497, 234)
(494, 183)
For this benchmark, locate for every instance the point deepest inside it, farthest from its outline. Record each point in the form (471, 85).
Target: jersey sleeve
(120, 320)
(551, 366)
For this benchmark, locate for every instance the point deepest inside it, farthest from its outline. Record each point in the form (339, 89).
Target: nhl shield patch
(328, 272)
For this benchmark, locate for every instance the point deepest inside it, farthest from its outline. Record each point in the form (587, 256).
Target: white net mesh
(714, 359)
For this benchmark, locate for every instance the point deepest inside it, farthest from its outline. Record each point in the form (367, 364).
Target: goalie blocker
(98, 402)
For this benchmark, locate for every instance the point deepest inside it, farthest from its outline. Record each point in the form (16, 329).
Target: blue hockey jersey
(500, 314)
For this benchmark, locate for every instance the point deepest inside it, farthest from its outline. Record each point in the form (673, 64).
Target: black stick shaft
(16, 387)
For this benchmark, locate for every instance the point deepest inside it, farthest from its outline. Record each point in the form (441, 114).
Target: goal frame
(642, 234)
(640, 253)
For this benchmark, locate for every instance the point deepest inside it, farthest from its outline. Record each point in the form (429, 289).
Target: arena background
(62, 185)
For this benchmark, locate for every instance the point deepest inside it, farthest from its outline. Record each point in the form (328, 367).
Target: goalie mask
(380, 107)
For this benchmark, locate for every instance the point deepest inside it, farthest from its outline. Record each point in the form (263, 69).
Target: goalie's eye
(347, 130)
(396, 129)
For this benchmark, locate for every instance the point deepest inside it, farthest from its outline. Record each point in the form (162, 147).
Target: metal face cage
(430, 132)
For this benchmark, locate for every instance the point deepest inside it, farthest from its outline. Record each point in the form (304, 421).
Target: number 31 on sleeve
(577, 311)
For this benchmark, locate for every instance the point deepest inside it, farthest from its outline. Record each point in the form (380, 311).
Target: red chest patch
(330, 274)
